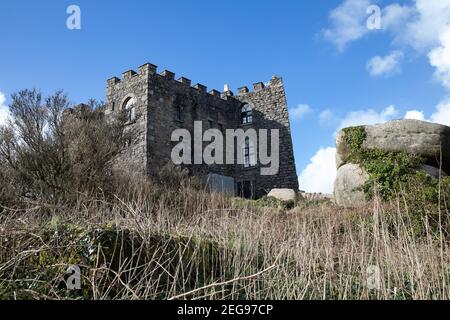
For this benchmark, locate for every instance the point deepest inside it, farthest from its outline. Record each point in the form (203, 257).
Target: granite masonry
(158, 104)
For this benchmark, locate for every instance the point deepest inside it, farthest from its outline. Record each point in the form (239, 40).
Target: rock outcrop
(430, 142)
(416, 137)
(283, 194)
(347, 187)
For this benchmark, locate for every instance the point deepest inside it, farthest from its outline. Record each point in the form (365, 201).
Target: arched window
(129, 106)
(246, 114)
(248, 153)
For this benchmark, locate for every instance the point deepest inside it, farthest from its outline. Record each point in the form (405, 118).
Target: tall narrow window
(178, 113)
(248, 152)
(246, 114)
(130, 108)
(195, 109)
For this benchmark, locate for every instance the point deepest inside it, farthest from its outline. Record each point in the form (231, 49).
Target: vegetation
(48, 153)
(62, 203)
(157, 243)
(391, 172)
(272, 202)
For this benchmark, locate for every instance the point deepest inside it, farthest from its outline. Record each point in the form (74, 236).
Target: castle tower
(131, 93)
(269, 111)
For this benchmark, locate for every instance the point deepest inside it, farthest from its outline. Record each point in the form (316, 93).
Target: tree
(50, 151)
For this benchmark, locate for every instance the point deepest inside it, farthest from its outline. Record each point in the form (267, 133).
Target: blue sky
(336, 71)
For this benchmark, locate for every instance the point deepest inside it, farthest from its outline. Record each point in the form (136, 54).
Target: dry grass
(157, 243)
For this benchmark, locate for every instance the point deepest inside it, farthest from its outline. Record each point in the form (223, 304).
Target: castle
(157, 104)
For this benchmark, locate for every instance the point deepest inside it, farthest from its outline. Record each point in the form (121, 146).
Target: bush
(51, 152)
(272, 202)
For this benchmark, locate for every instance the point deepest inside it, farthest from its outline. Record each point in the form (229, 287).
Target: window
(211, 124)
(195, 109)
(130, 108)
(113, 106)
(248, 152)
(178, 113)
(246, 114)
(178, 105)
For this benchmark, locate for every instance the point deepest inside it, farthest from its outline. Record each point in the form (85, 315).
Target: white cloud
(348, 23)
(427, 30)
(428, 20)
(440, 59)
(442, 114)
(388, 65)
(320, 173)
(415, 115)
(395, 16)
(423, 25)
(325, 116)
(368, 117)
(300, 111)
(4, 110)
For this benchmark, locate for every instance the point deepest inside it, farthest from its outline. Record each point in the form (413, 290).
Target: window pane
(246, 114)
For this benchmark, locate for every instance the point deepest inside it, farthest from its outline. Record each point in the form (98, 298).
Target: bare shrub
(49, 152)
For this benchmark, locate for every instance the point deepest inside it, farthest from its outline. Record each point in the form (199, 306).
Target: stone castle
(157, 104)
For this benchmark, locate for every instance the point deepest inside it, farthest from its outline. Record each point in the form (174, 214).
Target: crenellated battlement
(151, 70)
(185, 81)
(168, 74)
(128, 74)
